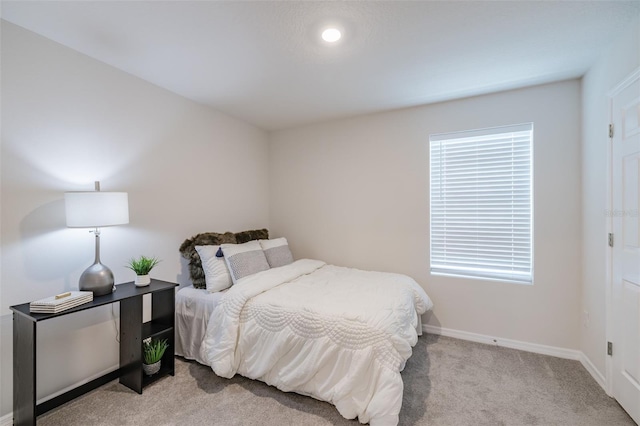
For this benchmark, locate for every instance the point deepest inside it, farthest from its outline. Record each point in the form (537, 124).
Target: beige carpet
(447, 382)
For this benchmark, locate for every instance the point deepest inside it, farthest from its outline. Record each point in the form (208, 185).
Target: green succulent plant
(154, 350)
(142, 265)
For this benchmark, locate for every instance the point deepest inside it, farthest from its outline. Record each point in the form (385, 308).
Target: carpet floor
(446, 382)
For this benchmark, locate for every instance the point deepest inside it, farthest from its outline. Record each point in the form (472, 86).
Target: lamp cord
(115, 324)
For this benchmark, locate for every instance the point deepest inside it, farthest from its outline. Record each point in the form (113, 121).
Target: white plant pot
(142, 280)
(150, 369)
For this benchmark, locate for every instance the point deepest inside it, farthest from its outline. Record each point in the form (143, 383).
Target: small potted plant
(153, 352)
(142, 266)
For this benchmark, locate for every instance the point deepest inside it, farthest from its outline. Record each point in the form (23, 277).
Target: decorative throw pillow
(188, 249)
(244, 259)
(216, 273)
(277, 252)
(254, 234)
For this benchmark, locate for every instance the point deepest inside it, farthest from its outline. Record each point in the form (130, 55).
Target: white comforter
(337, 334)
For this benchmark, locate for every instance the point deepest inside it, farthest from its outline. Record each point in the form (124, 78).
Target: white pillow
(244, 259)
(216, 273)
(277, 252)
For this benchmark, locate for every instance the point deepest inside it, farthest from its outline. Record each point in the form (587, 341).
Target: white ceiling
(264, 62)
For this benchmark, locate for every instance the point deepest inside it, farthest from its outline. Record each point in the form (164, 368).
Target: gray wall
(621, 60)
(355, 192)
(69, 120)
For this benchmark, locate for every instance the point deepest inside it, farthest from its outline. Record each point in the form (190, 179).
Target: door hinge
(611, 130)
(610, 239)
(609, 348)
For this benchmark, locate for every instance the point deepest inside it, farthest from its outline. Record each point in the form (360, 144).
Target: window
(482, 203)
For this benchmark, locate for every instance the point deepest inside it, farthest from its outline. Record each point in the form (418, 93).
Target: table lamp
(96, 209)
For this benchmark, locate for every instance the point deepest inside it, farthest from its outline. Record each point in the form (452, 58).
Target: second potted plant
(142, 266)
(153, 352)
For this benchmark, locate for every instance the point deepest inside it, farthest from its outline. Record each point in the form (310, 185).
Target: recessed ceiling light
(331, 35)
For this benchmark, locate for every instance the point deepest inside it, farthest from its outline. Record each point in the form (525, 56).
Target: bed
(337, 334)
(193, 310)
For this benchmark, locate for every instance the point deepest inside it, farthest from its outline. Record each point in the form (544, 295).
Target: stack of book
(60, 302)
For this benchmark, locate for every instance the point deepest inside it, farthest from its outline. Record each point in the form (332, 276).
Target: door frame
(627, 81)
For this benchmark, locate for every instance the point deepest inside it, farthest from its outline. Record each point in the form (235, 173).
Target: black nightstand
(132, 332)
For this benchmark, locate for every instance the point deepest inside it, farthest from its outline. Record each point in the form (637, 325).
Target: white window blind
(481, 203)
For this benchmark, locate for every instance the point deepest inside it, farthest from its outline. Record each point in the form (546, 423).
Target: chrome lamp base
(98, 279)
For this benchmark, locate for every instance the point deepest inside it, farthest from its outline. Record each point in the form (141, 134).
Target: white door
(625, 290)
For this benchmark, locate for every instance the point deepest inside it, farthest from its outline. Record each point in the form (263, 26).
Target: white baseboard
(7, 420)
(507, 343)
(523, 346)
(77, 384)
(597, 376)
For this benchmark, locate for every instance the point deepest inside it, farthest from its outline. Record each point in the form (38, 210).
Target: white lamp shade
(96, 209)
